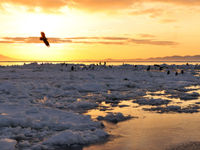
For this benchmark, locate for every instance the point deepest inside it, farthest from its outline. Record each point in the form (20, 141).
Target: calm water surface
(150, 131)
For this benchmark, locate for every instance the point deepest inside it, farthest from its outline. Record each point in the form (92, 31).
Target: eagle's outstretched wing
(46, 43)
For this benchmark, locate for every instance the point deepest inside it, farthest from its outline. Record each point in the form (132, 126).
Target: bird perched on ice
(44, 39)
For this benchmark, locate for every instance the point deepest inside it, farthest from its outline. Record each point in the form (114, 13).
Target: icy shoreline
(41, 106)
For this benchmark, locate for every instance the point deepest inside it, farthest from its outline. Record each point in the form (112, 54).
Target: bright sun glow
(34, 23)
(26, 23)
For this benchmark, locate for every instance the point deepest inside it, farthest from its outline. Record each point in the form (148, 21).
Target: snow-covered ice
(42, 106)
(173, 108)
(151, 101)
(114, 117)
(69, 137)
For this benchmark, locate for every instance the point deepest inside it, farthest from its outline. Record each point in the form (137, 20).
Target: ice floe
(114, 117)
(172, 108)
(152, 102)
(68, 138)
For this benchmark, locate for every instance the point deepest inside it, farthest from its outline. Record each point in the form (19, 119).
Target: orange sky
(99, 29)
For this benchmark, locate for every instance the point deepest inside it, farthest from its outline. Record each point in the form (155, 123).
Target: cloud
(89, 40)
(97, 5)
(179, 2)
(6, 42)
(94, 5)
(153, 12)
(152, 42)
(91, 5)
(146, 35)
(43, 4)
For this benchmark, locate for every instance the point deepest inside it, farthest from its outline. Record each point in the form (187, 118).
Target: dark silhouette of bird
(148, 68)
(44, 39)
(72, 68)
(182, 72)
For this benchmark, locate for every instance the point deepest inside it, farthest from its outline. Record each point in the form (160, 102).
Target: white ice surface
(40, 104)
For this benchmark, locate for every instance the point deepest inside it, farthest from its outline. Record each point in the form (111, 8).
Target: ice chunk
(189, 96)
(151, 101)
(82, 105)
(114, 117)
(70, 138)
(178, 109)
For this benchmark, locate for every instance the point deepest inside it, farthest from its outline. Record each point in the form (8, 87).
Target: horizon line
(106, 61)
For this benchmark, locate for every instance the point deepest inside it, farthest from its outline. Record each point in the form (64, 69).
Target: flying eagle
(44, 39)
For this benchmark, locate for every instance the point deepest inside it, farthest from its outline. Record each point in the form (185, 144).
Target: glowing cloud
(88, 40)
(92, 5)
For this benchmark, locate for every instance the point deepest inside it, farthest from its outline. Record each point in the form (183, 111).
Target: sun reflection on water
(150, 130)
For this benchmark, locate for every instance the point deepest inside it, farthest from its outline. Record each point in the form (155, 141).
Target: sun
(33, 24)
(54, 25)
(24, 22)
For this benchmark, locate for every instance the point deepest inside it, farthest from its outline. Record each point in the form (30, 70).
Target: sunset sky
(99, 29)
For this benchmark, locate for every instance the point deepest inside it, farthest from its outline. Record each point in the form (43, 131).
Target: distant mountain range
(176, 58)
(167, 58)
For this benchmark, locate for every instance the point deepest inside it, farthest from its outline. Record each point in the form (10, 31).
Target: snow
(189, 96)
(42, 105)
(173, 108)
(69, 137)
(151, 101)
(82, 105)
(114, 117)
(182, 94)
